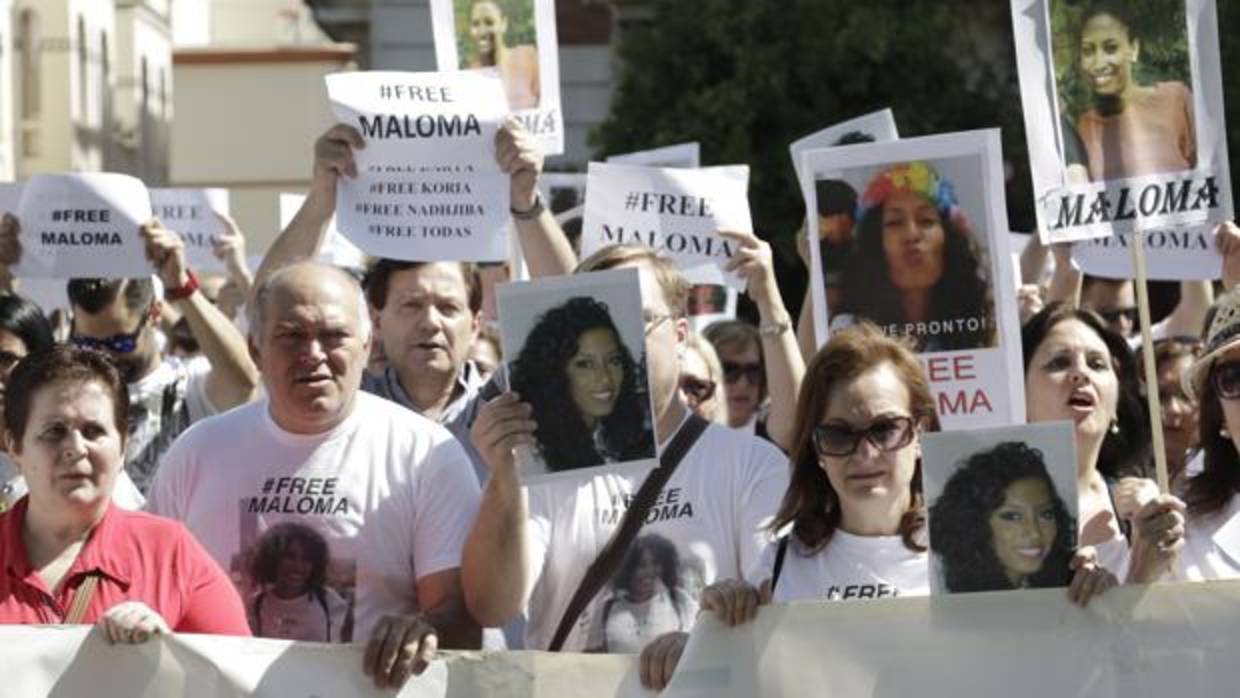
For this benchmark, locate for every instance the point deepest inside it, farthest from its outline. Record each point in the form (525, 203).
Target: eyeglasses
(653, 322)
(1226, 380)
(886, 434)
(698, 390)
(1113, 316)
(117, 343)
(732, 372)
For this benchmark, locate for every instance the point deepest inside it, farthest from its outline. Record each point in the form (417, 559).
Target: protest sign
(1002, 507)
(336, 250)
(10, 197)
(516, 39)
(686, 155)
(837, 203)
(428, 187)
(929, 262)
(1132, 642)
(83, 225)
(575, 350)
(1124, 116)
(192, 213)
(562, 191)
(1171, 255)
(710, 303)
(677, 211)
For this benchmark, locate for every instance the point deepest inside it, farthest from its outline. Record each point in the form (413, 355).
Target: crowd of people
(307, 455)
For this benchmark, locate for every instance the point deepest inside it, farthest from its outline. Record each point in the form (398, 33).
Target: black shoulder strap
(612, 554)
(780, 552)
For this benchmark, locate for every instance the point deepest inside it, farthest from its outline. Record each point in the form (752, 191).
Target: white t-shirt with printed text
(713, 509)
(849, 567)
(390, 492)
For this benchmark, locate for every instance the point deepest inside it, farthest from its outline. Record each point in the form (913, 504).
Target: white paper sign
(10, 197)
(517, 39)
(928, 260)
(1170, 255)
(1124, 116)
(428, 186)
(575, 350)
(687, 155)
(192, 213)
(875, 127)
(676, 211)
(336, 251)
(83, 225)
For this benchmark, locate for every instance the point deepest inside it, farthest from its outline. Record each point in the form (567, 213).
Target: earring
(1223, 434)
(1114, 427)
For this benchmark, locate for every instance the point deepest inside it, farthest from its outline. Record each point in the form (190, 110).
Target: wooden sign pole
(1147, 355)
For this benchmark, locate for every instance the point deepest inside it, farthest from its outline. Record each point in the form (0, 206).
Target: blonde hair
(696, 343)
(673, 284)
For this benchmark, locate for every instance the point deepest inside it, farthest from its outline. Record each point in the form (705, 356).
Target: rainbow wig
(918, 178)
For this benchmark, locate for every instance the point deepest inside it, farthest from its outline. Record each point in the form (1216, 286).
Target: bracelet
(176, 294)
(532, 212)
(774, 329)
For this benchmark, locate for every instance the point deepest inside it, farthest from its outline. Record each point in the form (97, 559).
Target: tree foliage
(746, 78)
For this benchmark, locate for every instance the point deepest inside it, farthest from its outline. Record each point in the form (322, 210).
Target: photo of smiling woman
(916, 268)
(586, 390)
(648, 598)
(1124, 73)
(294, 601)
(500, 34)
(1000, 523)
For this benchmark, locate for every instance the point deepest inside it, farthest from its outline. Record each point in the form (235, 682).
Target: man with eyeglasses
(535, 547)
(119, 316)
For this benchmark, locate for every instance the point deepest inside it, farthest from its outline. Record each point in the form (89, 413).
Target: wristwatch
(532, 212)
(176, 294)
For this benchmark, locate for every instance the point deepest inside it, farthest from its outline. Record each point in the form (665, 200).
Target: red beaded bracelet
(176, 294)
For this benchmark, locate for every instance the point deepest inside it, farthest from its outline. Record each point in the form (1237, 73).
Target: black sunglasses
(733, 371)
(124, 343)
(1226, 380)
(698, 390)
(885, 434)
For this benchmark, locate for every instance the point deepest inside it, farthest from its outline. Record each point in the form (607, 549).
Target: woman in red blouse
(68, 555)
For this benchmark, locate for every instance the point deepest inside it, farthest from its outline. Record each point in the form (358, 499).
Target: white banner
(927, 259)
(428, 186)
(192, 213)
(677, 211)
(516, 39)
(1124, 115)
(1132, 642)
(686, 155)
(1170, 255)
(83, 225)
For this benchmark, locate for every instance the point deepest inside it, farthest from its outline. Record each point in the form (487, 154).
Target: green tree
(747, 77)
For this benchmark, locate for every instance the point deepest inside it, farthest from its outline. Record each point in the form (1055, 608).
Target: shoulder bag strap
(612, 554)
(81, 599)
(780, 552)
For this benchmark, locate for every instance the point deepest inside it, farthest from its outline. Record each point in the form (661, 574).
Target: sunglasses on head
(698, 390)
(885, 434)
(1226, 380)
(732, 372)
(124, 343)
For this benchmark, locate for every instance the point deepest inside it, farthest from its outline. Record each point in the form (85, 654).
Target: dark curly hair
(960, 534)
(665, 556)
(540, 375)
(1128, 451)
(962, 292)
(274, 545)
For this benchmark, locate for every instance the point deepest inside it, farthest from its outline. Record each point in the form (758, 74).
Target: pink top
(141, 557)
(1154, 134)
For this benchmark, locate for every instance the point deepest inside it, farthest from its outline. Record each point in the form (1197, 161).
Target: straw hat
(1223, 335)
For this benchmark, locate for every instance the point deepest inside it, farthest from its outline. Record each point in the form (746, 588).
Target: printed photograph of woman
(648, 598)
(588, 393)
(293, 600)
(1000, 523)
(495, 37)
(916, 268)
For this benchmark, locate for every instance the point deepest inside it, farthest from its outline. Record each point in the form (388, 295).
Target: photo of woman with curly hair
(916, 268)
(649, 596)
(588, 394)
(293, 600)
(1000, 523)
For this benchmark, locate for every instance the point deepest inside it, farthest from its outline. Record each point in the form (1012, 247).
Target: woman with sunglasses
(1212, 548)
(1078, 370)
